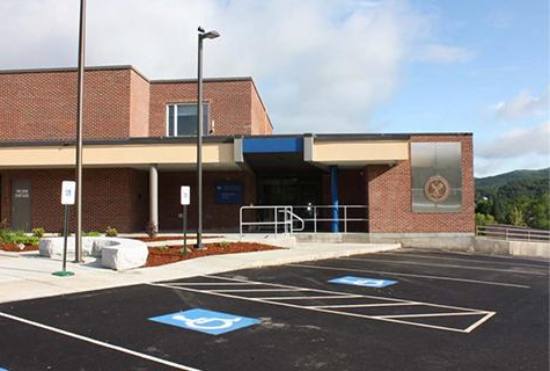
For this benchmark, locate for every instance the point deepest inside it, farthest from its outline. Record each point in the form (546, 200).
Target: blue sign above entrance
(206, 321)
(363, 281)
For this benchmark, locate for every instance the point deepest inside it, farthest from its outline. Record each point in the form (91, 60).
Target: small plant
(151, 229)
(224, 244)
(163, 248)
(183, 251)
(38, 232)
(92, 234)
(111, 232)
(17, 237)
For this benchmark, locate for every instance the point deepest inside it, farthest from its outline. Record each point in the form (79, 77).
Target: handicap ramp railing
(292, 219)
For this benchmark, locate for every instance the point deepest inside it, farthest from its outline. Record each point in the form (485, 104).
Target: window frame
(176, 104)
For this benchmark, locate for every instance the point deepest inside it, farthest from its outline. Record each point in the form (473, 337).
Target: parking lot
(403, 310)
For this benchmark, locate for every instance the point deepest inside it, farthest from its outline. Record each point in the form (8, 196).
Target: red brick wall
(389, 195)
(229, 102)
(118, 103)
(139, 106)
(115, 197)
(261, 124)
(42, 106)
(216, 216)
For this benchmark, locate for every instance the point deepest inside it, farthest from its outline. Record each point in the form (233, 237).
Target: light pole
(202, 35)
(79, 116)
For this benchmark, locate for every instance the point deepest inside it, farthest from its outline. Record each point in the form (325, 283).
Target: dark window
(182, 119)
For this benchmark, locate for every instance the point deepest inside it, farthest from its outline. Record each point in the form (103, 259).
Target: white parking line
(424, 315)
(453, 266)
(258, 290)
(281, 301)
(366, 305)
(98, 342)
(467, 260)
(311, 297)
(217, 284)
(398, 274)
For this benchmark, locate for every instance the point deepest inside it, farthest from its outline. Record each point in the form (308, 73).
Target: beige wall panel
(360, 151)
(109, 155)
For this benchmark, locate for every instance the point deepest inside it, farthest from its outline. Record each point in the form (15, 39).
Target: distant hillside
(520, 197)
(497, 181)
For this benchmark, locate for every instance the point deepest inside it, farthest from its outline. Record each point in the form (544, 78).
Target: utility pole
(79, 124)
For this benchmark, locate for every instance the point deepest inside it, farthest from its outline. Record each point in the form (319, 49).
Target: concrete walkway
(29, 276)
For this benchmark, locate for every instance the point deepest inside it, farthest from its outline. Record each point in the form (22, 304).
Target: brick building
(139, 149)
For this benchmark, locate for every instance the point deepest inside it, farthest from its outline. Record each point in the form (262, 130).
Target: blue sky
(507, 43)
(479, 66)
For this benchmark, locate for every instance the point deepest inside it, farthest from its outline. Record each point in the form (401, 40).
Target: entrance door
(21, 205)
(292, 191)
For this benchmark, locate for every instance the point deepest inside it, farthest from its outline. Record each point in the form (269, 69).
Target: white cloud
(519, 142)
(441, 53)
(522, 105)
(521, 148)
(320, 65)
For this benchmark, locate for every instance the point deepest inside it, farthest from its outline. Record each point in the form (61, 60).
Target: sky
(327, 66)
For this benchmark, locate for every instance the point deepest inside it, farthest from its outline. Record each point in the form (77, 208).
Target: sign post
(67, 198)
(185, 200)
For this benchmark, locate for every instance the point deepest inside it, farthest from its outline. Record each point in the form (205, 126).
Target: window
(182, 119)
(436, 177)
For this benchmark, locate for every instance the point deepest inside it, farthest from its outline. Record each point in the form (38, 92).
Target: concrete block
(124, 254)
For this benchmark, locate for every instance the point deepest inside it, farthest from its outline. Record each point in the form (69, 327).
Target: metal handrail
(290, 217)
(513, 233)
(284, 209)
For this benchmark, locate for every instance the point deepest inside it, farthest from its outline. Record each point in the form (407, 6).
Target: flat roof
(118, 68)
(226, 139)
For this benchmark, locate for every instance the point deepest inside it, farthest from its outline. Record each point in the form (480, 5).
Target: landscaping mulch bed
(171, 237)
(12, 247)
(171, 254)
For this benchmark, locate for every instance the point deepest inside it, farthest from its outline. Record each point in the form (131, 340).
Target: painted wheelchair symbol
(207, 323)
(362, 281)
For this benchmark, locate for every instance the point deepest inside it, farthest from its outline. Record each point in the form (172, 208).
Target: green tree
(484, 219)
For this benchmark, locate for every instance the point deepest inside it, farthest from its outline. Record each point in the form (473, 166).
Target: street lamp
(79, 124)
(202, 35)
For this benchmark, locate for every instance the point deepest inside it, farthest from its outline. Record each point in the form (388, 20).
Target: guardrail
(286, 216)
(505, 232)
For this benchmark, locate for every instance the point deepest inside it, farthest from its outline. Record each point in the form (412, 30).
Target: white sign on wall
(185, 195)
(68, 190)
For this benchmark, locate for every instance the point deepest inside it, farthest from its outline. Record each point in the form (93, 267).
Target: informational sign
(68, 190)
(21, 193)
(185, 195)
(206, 321)
(363, 281)
(229, 193)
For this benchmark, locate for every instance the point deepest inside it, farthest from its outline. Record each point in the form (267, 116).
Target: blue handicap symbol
(363, 281)
(206, 321)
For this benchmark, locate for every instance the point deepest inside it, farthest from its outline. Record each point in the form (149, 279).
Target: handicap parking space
(353, 315)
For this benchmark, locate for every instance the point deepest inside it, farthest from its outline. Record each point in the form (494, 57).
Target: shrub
(484, 219)
(38, 232)
(151, 229)
(111, 232)
(17, 237)
(92, 234)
